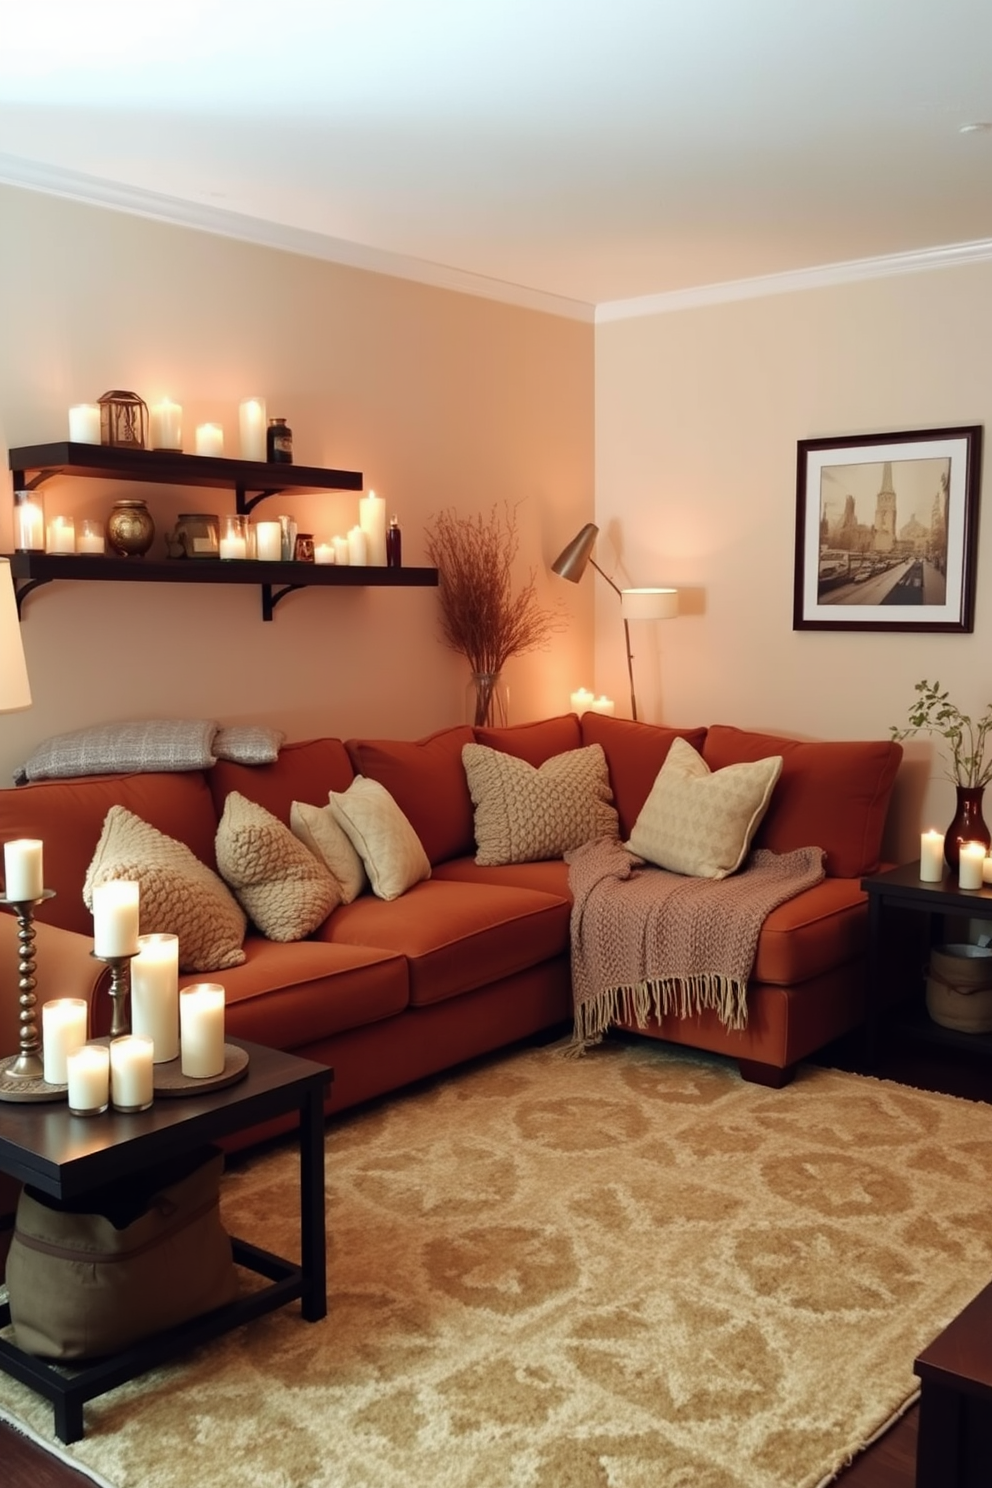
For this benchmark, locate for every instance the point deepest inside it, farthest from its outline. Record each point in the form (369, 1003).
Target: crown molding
(118, 197)
(825, 276)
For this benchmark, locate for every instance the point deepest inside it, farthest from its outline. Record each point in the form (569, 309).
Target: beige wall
(440, 399)
(697, 418)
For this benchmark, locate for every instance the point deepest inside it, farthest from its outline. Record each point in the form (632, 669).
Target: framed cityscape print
(886, 531)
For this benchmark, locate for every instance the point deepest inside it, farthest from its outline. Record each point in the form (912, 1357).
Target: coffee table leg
(313, 1236)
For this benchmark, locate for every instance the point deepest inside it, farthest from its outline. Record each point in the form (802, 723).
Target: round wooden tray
(169, 1079)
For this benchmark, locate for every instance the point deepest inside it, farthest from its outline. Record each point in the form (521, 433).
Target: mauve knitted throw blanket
(645, 941)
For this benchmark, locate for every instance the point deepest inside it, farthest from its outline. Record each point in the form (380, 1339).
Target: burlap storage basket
(959, 988)
(84, 1284)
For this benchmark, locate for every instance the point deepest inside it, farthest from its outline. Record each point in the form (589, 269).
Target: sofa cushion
(635, 752)
(322, 834)
(427, 782)
(833, 794)
(820, 929)
(390, 850)
(68, 817)
(248, 743)
(456, 936)
(699, 821)
(285, 891)
(178, 894)
(303, 772)
(534, 742)
(523, 813)
(549, 875)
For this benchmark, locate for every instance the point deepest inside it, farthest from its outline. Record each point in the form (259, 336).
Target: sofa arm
(64, 967)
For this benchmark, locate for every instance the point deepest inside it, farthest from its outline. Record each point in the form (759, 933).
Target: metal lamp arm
(626, 635)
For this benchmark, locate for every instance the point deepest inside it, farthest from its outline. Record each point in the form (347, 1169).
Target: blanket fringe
(679, 995)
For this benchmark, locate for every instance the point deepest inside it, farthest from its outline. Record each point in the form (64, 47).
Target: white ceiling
(594, 150)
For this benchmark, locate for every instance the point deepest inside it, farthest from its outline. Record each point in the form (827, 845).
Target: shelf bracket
(23, 483)
(22, 588)
(243, 503)
(271, 597)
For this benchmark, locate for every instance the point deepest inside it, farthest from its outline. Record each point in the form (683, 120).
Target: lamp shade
(649, 604)
(14, 690)
(573, 560)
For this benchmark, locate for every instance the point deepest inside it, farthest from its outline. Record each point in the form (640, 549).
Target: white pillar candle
(323, 553)
(268, 541)
(201, 1030)
(372, 520)
(155, 994)
(252, 426)
(582, 700)
(971, 862)
(89, 539)
(29, 522)
(603, 705)
(209, 439)
(84, 423)
(166, 420)
(88, 1077)
(23, 873)
(63, 1028)
(340, 549)
(931, 857)
(115, 919)
(132, 1082)
(61, 537)
(358, 548)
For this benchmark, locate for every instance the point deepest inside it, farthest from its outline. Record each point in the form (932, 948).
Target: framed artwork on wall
(886, 531)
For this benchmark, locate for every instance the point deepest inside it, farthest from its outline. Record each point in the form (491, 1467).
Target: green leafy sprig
(967, 741)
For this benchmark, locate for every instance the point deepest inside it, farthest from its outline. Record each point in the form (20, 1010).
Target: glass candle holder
(234, 537)
(29, 522)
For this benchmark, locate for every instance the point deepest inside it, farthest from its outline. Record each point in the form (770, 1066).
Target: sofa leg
(771, 1075)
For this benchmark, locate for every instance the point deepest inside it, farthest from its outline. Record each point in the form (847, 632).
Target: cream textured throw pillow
(286, 891)
(179, 895)
(701, 822)
(382, 836)
(524, 814)
(320, 832)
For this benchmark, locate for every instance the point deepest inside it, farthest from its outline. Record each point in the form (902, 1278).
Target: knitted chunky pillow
(321, 833)
(391, 851)
(700, 822)
(525, 813)
(178, 894)
(284, 889)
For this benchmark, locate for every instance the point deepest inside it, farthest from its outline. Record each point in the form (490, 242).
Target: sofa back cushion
(68, 817)
(307, 771)
(426, 779)
(635, 752)
(831, 794)
(535, 742)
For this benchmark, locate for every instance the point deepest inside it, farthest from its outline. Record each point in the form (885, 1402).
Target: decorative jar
(130, 528)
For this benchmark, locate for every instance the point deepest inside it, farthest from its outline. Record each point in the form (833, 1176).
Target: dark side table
(954, 1446)
(68, 1156)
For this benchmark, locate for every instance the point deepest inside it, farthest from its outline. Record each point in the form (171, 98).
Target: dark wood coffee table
(68, 1156)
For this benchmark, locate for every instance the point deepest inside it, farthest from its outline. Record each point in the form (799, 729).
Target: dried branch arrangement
(480, 615)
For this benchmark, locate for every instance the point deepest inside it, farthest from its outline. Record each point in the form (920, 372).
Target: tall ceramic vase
(968, 824)
(487, 701)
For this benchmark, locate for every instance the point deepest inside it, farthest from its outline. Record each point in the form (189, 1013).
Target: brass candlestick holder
(22, 1075)
(120, 987)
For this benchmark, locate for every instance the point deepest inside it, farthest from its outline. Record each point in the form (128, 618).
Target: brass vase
(130, 529)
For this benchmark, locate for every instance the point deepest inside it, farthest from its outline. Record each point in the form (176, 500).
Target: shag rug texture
(630, 1270)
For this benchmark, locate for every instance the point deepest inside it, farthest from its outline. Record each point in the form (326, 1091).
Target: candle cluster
(974, 862)
(165, 428)
(584, 701)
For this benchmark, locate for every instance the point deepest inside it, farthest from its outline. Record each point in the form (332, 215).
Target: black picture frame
(887, 531)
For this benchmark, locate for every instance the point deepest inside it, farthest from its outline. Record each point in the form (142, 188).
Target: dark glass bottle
(279, 442)
(394, 545)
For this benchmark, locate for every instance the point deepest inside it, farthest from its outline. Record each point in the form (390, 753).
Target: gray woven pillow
(248, 744)
(120, 748)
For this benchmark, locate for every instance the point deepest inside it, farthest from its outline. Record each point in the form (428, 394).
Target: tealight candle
(268, 541)
(201, 1030)
(166, 420)
(582, 700)
(88, 1077)
(132, 1081)
(63, 1029)
(931, 857)
(115, 919)
(971, 862)
(61, 536)
(209, 439)
(89, 538)
(84, 423)
(24, 879)
(252, 426)
(234, 537)
(372, 521)
(155, 994)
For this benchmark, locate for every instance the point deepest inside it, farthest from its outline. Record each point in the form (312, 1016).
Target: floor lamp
(635, 604)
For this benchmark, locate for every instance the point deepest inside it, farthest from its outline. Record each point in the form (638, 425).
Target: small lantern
(123, 420)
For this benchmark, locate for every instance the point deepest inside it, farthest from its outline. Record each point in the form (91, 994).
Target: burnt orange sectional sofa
(474, 958)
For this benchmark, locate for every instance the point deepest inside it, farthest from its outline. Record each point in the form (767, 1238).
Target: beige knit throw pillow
(392, 853)
(318, 829)
(286, 891)
(700, 822)
(178, 894)
(524, 814)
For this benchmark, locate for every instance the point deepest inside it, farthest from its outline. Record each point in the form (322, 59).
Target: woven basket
(959, 988)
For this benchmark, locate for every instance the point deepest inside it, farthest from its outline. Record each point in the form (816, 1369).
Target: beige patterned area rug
(630, 1270)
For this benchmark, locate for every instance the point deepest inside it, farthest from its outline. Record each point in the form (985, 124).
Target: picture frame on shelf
(886, 531)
